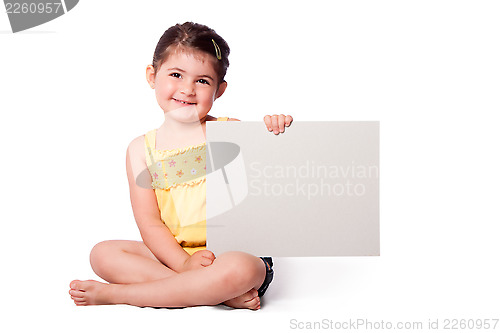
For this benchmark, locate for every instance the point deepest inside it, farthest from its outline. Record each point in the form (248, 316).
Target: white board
(311, 191)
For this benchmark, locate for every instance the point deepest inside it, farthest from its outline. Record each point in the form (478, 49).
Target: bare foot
(89, 292)
(249, 300)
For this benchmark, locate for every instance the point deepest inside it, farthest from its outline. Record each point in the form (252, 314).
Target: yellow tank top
(179, 181)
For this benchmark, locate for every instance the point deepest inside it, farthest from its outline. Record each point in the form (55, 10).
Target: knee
(242, 270)
(99, 253)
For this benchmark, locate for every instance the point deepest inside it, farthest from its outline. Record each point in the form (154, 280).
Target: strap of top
(150, 143)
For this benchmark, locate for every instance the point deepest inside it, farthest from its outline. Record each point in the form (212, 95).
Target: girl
(172, 267)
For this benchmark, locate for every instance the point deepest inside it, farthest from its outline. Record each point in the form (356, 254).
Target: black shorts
(269, 275)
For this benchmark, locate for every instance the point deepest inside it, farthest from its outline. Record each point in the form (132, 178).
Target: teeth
(184, 102)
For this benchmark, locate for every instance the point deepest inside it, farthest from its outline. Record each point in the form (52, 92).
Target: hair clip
(217, 50)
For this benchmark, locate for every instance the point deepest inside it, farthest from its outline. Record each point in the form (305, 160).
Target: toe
(256, 307)
(76, 293)
(258, 304)
(253, 303)
(255, 299)
(75, 284)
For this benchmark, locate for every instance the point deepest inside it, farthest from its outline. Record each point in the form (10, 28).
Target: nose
(187, 88)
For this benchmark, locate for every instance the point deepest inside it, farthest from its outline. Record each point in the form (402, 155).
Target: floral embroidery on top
(185, 166)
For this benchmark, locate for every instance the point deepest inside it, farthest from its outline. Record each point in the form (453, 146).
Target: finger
(281, 122)
(267, 121)
(207, 257)
(274, 122)
(288, 120)
(208, 254)
(206, 262)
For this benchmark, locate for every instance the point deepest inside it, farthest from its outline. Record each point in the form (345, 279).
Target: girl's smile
(183, 102)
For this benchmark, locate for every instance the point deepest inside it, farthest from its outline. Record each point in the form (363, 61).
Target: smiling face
(186, 85)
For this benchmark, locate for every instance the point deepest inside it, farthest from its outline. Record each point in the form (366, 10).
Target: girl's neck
(173, 134)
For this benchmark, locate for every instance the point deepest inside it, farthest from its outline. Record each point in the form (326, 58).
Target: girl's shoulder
(137, 142)
(136, 159)
(135, 150)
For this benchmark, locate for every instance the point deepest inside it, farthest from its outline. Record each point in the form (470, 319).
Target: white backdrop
(73, 94)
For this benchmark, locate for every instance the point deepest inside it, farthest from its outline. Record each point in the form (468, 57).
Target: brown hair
(195, 36)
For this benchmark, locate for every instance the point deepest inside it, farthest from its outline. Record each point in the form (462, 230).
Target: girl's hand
(276, 123)
(199, 259)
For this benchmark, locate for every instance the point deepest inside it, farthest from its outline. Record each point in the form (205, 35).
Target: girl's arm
(155, 234)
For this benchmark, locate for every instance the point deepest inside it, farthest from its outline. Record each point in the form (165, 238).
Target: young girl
(172, 267)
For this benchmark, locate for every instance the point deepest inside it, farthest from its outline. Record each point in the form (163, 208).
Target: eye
(203, 81)
(175, 74)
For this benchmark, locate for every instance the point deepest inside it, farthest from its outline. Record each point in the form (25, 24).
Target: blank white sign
(311, 191)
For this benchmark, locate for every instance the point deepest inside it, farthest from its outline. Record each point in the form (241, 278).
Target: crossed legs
(137, 278)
